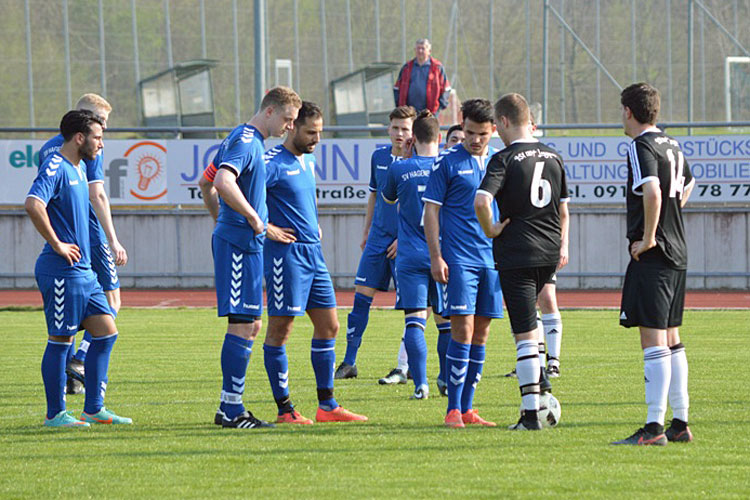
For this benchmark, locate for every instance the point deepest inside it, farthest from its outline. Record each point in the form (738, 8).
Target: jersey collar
(650, 129)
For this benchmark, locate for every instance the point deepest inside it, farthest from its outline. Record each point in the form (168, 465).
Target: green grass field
(165, 375)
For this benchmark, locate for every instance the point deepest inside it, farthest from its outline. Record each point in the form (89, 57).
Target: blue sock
(355, 326)
(323, 357)
(277, 368)
(96, 367)
(69, 354)
(53, 375)
(416, 348)
(473, 376)
(456, 366)
(83, 347)
(235, 355)
(444, 338)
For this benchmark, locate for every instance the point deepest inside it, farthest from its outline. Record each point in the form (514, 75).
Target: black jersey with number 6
(528, 181)
(653, 156)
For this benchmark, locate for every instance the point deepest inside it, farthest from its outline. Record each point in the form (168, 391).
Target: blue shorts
(297, 278)
(239, 280)
(474, 290)
(418, 290)
(70, 300)
(103, 264)
(375, 269)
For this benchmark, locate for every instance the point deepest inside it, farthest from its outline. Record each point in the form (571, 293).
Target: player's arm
(37, 211)
(483, 208)
(225, 183)
(564, 230)
(492, 184)
(687, 192)
(208, 191)
(368, 218)
(688, 189)
(651, 210)
(438, 267)
(100, 202)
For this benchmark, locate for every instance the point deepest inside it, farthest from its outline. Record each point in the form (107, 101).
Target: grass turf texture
(165, 375)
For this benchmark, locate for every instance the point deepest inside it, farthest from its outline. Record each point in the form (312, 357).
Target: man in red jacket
(422, 82)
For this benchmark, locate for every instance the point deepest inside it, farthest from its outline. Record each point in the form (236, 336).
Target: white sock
(527, 371)
(542, 350)
(678, 383)
(553, 335)
(403, 360)
(657, 368)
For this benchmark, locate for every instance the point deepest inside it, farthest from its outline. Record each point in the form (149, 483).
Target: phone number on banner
(723, 191)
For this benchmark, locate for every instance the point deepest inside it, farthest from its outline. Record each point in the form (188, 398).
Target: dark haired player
(405, 183)
(297, 279)
(527, 179)
(653, 295)
(106, 250)
(58, 205)
(461, 256)
(454, 136)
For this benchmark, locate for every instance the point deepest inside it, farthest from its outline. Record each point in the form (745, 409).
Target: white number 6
(541, 189)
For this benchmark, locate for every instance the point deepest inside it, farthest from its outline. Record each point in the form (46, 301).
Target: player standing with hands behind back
(653, 295)
(527, 179)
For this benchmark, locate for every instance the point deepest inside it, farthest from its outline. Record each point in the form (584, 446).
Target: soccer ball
(549, 410)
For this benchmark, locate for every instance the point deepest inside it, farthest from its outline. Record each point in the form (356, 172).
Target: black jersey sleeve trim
(231, 167)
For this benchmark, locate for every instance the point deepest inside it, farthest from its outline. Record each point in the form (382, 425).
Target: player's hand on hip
(256, 223)
(641, 246)
(121, 256)
(392, 249)
(280, 234)
(498, 227)
(439, 270)
(68, 251)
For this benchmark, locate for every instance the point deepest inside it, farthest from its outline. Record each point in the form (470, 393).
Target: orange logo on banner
(150, 165)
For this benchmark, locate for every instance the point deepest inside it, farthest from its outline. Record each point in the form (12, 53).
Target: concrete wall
(172, 248)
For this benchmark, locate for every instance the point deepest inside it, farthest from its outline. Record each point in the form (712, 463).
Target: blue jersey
(385, 216)
(62, 187)
(242, 153)
(453, 183)
(94, 173)
(290, 192)
(406, 182)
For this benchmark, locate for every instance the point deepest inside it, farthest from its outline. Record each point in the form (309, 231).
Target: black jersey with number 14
(528, 181)
(655, 157)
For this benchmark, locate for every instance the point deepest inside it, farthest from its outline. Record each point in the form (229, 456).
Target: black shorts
(653, 296)
(520, 290)
(552, 279)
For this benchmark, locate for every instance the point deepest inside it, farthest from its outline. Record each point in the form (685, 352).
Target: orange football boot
(338, 414)
(472, 417)
(293, 417)
(453, 419)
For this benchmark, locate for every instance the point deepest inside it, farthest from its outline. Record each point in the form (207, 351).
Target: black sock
(654, 428)
(678, 424)
(530, 415)
(284, 405)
